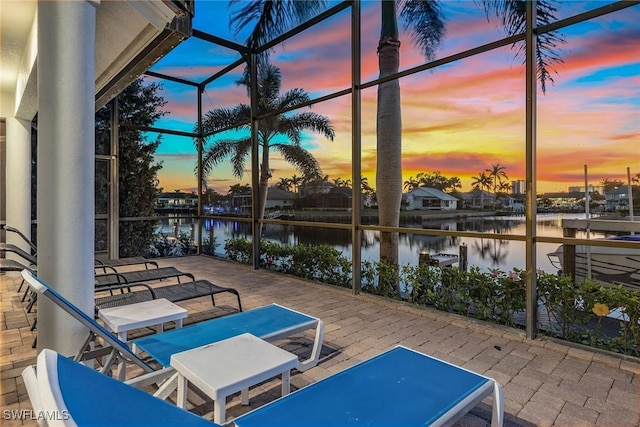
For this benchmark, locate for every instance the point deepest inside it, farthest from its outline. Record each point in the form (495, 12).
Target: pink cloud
(462, 118)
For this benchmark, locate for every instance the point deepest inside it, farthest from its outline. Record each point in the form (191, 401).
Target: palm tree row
(495, 179)
(294, 183)
(433, 180)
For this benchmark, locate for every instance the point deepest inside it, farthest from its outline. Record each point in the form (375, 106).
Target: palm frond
(216, 153)
(292, 98)
(512, 14)
(300, 158)
(426, 24)
(269, 81)
(225, 118)
(293, 125)
(243, 148)
(272, 18)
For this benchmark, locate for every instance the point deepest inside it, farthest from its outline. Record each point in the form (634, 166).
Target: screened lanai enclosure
(372, 144)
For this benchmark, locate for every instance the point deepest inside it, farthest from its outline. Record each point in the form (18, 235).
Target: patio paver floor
(545, 382)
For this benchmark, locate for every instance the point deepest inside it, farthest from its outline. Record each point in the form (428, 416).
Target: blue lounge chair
(270, 323)
(66, 393)
(398, 387)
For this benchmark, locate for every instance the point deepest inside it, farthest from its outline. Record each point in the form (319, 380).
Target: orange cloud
(461, 118)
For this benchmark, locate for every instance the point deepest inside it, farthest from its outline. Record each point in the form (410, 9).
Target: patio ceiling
(130, 36)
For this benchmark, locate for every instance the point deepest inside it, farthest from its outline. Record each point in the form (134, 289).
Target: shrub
(163, 246)
(574, 311)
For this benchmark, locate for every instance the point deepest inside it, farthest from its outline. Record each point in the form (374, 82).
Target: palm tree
(295, 181)
(504, 188)
(284, 184)
(239, 189)
(497, 174)
(270, 131)
(316, 181)
(411, 184)
(368, 192)
(481, 182)
(425, 22)
(344, 183)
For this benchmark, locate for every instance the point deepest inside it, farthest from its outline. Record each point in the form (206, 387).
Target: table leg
(181, 399)
(122, 365)
(218, 410)
(286, 382)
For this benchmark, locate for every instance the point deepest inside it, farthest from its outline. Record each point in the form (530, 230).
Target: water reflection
(493, 250)
(484, 253)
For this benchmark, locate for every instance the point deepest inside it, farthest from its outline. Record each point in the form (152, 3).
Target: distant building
(276, 199)
(279, 199)
(425, 198)
(512, 204)
(564, 201)
(177, 199)
(519, 187)
(617, 199)
(478, 199)
(592, 189)
(331, 198)
(318, 187)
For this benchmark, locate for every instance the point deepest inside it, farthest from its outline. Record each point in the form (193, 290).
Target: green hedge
(572, 311)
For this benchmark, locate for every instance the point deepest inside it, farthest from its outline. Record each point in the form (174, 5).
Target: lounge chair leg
(87, 343)
(239, 304)
(168, 387)
(32, 303)
(315, 351)
(244, 396)
(181, 399)
(497, 414)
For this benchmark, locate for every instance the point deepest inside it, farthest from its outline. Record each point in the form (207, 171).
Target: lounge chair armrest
(106, 269)
(113, 265)
(102, 280)
(127, 287)
(189, 275)
(19, 233)
(7, 247)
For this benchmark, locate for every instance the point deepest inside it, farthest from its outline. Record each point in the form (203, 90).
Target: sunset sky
(458, 119)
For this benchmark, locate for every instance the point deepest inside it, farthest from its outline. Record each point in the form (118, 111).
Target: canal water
(484, 253)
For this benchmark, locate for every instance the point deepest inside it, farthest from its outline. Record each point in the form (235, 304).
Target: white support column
(18, 173)
(66, 156)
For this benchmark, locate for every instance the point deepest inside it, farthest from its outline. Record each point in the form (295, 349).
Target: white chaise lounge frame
(118, 349)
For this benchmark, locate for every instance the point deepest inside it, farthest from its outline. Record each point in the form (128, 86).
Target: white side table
(229, 366)
(125, 318)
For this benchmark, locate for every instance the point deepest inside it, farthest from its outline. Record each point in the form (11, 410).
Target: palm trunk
(389, 158)
(264, 181)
